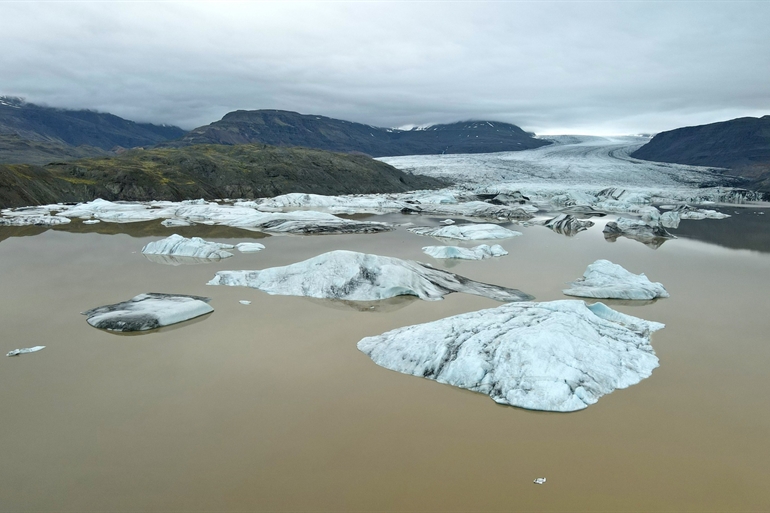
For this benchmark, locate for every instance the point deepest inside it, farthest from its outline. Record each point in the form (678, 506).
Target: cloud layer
(551, 67)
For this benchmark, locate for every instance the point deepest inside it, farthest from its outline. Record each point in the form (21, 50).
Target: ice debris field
(555, 356)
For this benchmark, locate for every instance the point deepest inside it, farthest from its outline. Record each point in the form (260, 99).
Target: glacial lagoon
(271, 407)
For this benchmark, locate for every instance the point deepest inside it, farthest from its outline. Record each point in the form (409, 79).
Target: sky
(610, 67)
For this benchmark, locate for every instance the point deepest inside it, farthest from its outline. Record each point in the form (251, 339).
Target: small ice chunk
(540, 480)
(244, 302)
(250, 247)
(447, 221)
(17, 352)
(172, 223)
(91, 221)
(477, 253)
(567, 224)
(605, 280)
(148, 311)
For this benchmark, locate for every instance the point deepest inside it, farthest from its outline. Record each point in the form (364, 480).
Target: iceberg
(477, 253)
(17, 352)
(178, 246)
(467, 232)
(33, 220)
(605, 280)
(361, 277)
(250, 247)
(638, 230)
(554, 356)
(147, 312)
(567, 224)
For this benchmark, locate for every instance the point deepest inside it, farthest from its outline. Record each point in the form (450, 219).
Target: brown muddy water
(270, 406)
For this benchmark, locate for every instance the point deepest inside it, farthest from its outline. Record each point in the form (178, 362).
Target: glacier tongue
(361, 277)
(555, 356)
(605, 280)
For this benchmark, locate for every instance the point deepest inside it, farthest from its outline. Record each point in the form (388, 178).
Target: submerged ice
(555, 356)
(356, 276)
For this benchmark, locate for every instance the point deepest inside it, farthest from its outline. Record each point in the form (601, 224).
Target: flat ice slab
(467, 232)
(361, 277)
(605, 280)
(250, 247)
(477, 253)
(17, 352)
(553, 356)
(176, 245)
(147, 312)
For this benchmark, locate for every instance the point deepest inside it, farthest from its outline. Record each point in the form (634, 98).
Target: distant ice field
(582, 161)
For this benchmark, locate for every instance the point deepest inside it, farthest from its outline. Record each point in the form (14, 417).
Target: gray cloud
(590, 67)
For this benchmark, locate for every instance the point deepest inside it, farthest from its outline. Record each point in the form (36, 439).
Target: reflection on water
(747, 228)
(270, 406)
(383, 305)
(179, 260)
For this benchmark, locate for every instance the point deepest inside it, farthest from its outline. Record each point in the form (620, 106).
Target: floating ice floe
(176, 245)
(638, 230)
(17, 352)
(250, 247)
(147, 312)
(540, 480)
(91, 221)
(335, 204)
(567, 224)
(473, 209)
(361, 277)
(447, 221)
(688, 212)
(554, 356)
(113, 212)
(605, 280)
(173, 223)
(467, 232)
(33, 220)
(477, 253)
(244, 302)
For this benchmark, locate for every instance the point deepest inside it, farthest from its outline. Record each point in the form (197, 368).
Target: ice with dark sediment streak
(557, 356)
(148, 311)
(362, 277)
(605, 280)
(480, 252)
(33, 220)
(651, 235)
(568, 225)
(467, 232)
(195, 247)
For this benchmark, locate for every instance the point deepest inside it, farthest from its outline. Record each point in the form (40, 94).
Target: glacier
(558, 356)
(605, 280)
(349, 275)
(148, 311)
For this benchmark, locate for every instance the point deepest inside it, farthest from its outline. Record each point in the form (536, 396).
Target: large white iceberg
(148, 311)
(176, 245)
(605, 280)
(361, 277)
(467, 232)
(554, 356)
(476, 253)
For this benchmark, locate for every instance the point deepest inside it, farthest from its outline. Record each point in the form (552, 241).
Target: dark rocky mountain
(16, 150)
(203, 171)
(741, 145)
(284, 128)
(78, 127)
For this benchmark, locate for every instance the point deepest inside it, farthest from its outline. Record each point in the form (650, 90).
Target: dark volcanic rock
(283, 128)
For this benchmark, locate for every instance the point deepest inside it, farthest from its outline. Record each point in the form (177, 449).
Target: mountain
(203, 171)
(741, 145)
(78, 127)
(15, 150)
(284, 128)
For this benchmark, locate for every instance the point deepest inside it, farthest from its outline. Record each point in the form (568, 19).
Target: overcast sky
(550, 67)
